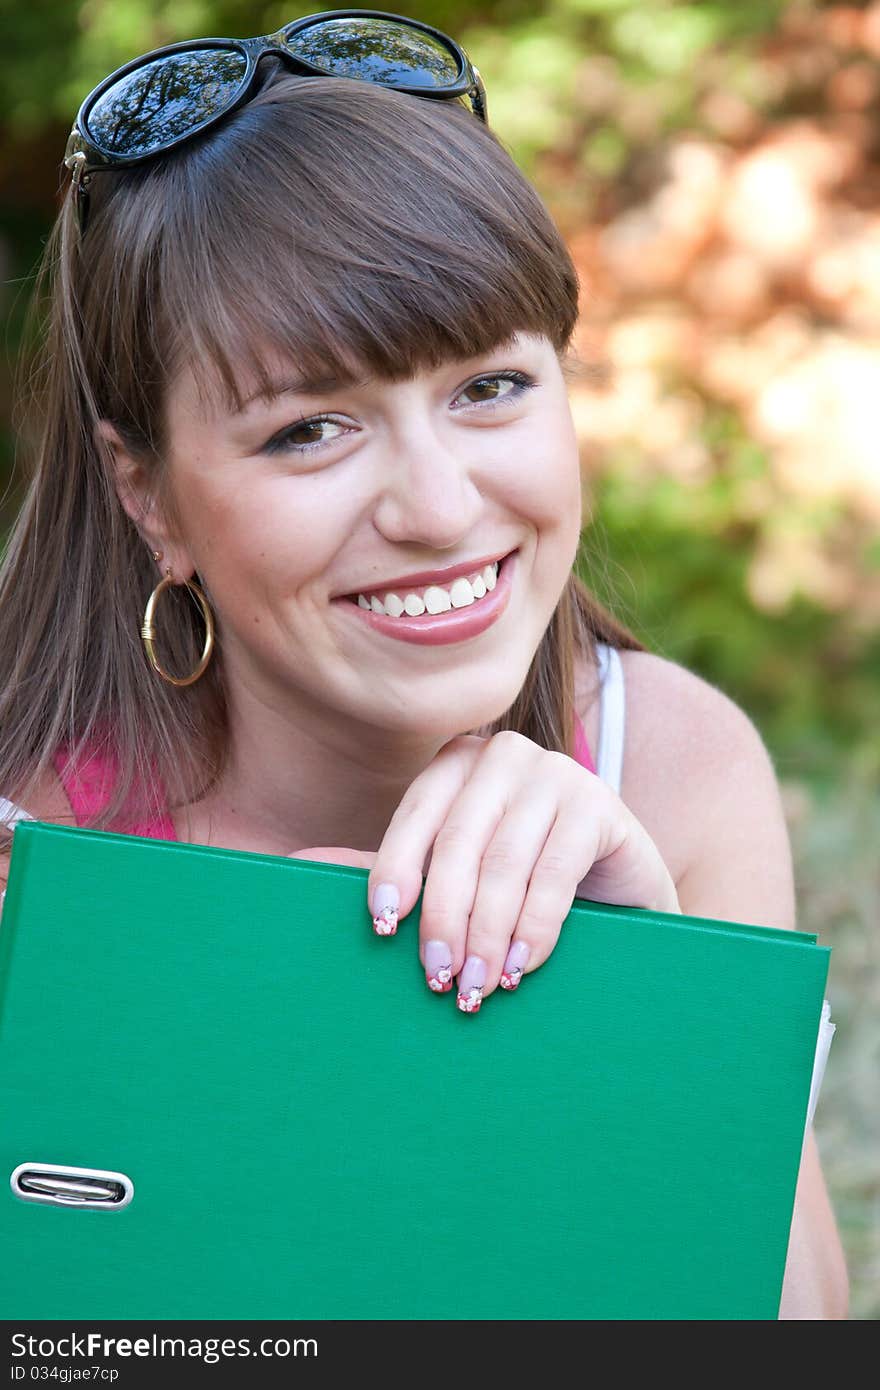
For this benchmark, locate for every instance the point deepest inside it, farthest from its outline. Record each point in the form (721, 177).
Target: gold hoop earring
(148, 632)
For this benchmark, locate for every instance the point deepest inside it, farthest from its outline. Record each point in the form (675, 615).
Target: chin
(472, 716)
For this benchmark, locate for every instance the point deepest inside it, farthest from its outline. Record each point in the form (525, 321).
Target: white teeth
(437, 600)
(460, 594)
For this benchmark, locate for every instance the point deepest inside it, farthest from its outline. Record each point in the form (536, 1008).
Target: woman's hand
(509, 835)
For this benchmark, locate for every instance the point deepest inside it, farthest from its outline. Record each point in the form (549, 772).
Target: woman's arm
(740, 870)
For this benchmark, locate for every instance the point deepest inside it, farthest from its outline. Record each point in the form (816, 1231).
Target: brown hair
(331, 222)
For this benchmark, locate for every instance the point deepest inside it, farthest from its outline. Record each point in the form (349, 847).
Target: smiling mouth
(433, 599)
(467, 619)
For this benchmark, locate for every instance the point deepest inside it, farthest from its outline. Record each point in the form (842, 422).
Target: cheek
(258, 532)
(546, 485)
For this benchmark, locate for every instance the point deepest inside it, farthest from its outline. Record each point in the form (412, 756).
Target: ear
(136, 490)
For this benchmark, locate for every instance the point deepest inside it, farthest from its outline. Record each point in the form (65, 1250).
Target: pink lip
(457, 625)
(414, 581)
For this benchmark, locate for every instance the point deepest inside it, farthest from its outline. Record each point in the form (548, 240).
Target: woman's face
(325, 491)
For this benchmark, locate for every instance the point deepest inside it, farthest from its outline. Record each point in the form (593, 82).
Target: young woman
(302, 394)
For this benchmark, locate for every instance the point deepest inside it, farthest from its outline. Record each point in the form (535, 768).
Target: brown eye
(305, 435)
(309, 432)
(489, 388)
(495, 388)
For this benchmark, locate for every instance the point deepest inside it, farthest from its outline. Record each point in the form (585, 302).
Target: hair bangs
(349, 245)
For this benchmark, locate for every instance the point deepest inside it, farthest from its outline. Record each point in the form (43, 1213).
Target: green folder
(307, 1132)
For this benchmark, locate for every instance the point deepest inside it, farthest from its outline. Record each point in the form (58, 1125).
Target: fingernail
(470, 985)
(517, 959)
(438, 966)
(386, 901)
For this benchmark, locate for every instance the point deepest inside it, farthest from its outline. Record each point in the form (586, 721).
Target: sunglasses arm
(77, 161)
(478, 97)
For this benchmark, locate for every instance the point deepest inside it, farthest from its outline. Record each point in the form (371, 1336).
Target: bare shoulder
(46, 801)
(681, 724)
(698, 775)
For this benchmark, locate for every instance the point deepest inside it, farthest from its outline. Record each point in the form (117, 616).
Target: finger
(595, 839)
(572, 844)
(555, 843)
(396, 876)
(476, 949)
(503, 874)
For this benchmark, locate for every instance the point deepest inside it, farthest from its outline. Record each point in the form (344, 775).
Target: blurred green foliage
(679, 579)
(531, 61)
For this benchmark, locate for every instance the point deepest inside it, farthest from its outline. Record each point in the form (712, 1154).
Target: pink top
(581, 747)
(89, 787)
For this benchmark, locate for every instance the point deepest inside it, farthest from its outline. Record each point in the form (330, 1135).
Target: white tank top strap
(10, 813)
(612, 716)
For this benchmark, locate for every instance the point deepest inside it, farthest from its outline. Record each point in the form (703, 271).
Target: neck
(292, 784)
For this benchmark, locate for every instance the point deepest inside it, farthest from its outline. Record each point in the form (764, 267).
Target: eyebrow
(304, 386)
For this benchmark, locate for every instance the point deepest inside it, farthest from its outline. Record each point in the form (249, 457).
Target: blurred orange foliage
(739, 266)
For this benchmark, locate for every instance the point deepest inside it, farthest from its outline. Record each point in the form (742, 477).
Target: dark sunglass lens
(172, 96)
(377, 50)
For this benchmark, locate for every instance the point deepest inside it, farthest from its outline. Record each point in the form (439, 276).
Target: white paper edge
(823, 1046)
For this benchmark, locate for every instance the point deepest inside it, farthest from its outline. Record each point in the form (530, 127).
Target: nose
(429, 495)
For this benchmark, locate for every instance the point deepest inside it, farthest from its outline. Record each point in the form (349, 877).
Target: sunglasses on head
(168, 96)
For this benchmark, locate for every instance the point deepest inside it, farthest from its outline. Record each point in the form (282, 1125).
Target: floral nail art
(517, 957)
(470, 1003)
(471, 983)
(386, 923)
(386, 903)
(438, 966)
